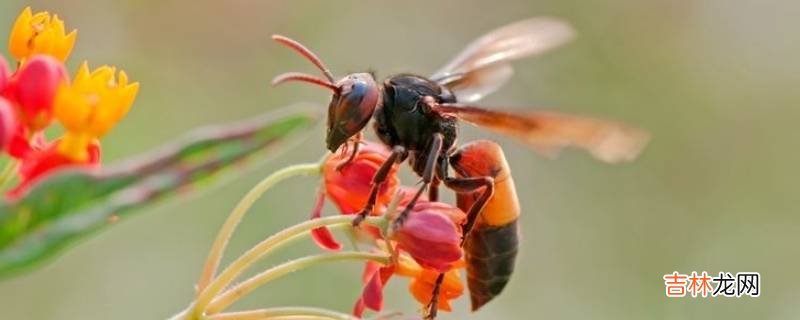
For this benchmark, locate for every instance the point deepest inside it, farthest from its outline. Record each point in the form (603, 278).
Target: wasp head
(351, 108)
(354, 99)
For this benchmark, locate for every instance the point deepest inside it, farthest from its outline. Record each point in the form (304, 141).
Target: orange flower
(40, 33)
(423, 280)
(90, 106)
(421, 285)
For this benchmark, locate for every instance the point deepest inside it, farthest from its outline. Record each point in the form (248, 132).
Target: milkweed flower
(431, 234)
(90, 106)
(40, 90)
(40, 33)
(426, 244)
(4, 75)
(8, 123)
(8, 120)
(348, 187)
(421, 285)
(34, 87)
(47, 159)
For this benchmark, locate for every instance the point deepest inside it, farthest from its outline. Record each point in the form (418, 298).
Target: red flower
(375, 278)
(432, 235)
(40, 163)
(322, 236)
(427, 243)
(33, 88)
(421, 285)
(8, 120)
(349, 187)
(4, 75)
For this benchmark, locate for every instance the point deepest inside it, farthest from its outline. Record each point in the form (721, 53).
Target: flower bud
(34, 89)
(431, 236)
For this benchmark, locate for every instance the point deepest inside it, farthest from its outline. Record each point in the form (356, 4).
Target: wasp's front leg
(377, 181)
(356, 140)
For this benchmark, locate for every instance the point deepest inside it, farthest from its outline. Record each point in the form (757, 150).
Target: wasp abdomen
(491, 253)
(491, 246)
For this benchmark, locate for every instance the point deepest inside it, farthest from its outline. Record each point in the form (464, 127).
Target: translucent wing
(483, 65)
(549, 132)
(475, 85)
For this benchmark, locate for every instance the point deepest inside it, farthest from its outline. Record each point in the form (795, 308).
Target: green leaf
(74, 203)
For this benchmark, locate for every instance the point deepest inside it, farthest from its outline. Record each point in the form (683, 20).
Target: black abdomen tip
(491, 253)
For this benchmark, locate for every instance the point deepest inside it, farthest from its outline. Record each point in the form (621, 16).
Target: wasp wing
(549, 132)
(473, 86)
(483, 66)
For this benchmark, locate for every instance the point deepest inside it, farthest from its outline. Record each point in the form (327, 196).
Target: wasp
(418, 118)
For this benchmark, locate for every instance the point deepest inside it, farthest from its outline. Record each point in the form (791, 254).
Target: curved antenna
(305, 52)
(303, 77)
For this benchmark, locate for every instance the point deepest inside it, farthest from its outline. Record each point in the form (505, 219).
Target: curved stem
(224, 235)
(242, 289)
(263, 248)
(272, 313)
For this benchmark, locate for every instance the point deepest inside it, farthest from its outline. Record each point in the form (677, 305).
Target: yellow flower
(40, 34)
(91, 106)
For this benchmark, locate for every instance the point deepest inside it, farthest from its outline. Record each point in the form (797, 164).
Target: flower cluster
(40, 91)
(426, 244)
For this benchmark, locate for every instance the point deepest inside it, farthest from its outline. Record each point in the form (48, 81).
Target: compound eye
(354, 90)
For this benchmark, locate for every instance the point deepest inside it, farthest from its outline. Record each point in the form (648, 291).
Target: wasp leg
(377, 180)
(427, 178)
(433, 306)
(467, 185)
(461, 185)
(433, 190)
(356, 145)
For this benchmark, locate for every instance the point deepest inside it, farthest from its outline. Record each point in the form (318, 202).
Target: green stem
(242, 289)
(224, 235)
(183, 315)
(263, 248)
(8, 172)
(273, 313)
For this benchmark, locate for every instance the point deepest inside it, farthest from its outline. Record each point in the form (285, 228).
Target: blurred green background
(714, 81)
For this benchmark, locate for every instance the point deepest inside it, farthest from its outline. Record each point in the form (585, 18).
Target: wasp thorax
(351, 108)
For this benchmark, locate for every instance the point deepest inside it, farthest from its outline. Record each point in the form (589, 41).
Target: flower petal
(422, 288)
(8, 123)
(4, 75)
(41, 163)
(430, 237)
(372, 294)
(322, 236)
(349, 187)
(34, 89)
